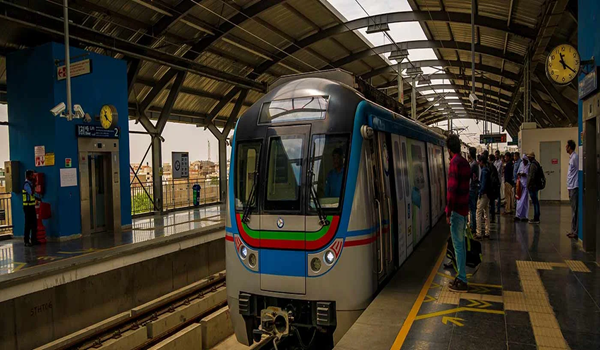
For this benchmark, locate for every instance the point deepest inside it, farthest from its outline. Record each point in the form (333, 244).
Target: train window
(284, 174)
(294, 109)
(328, 162)
(246, 167)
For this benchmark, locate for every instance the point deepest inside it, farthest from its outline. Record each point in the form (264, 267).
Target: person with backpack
(521, 192)
(483, 203)
(495, 184)
(536, 181)
(457, 209)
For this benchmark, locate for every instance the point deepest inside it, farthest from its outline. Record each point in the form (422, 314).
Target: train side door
(400, 182)
(407, 198)
(383, 205)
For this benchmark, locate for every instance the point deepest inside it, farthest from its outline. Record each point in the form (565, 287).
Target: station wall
(33, 90)
(531, 138)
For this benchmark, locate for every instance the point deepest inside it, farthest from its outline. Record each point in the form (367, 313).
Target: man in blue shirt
(29, 197)
(573, 186)
(335, 177)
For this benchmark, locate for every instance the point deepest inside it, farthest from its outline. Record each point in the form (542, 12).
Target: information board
(492, 138)
(181, 165)
(97, 131)
(588, 84)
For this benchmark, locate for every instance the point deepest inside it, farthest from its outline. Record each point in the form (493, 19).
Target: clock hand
(562, 61)
(573, 70)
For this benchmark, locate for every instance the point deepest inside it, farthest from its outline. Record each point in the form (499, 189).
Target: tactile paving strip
(577, 266)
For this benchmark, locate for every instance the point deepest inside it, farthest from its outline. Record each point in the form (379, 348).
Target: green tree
(141, 203)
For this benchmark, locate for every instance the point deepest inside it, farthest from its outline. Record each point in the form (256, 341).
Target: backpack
(494, 189)
(540, 181)
(472, 248)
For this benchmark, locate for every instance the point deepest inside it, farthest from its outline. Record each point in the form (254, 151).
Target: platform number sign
(492, 138)
(181, 165)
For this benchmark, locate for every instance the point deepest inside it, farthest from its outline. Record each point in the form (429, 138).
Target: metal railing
(176, 194)
(5, 213)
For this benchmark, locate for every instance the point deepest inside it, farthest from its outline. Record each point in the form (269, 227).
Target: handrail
(380, 236)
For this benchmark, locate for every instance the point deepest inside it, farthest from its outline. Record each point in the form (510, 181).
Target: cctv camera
(58, 109)
(78, 111)
(473, 98)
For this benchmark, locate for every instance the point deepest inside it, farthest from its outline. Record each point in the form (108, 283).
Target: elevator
(591, 175)
(100, 191)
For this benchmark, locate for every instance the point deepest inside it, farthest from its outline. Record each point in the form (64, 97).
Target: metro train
(328, 195)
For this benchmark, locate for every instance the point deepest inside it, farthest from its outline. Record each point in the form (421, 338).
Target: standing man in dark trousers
(573, 187)
(474, 187)
(457, 209)
(533, 186)
(491, 162)
(30, 235)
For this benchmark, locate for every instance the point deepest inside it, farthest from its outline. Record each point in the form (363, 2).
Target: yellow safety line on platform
(412, 315)
(472, 284)
(458, 309)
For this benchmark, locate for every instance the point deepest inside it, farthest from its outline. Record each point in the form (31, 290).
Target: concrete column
(157, 185)
(413, 98)
(223, 168)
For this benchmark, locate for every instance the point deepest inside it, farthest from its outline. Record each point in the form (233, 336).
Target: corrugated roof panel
(493, 8)
(439, 30)
(129, 8)
(234, 51)
(511, 67)
(461, 32)
(492, 38)
(448, 54)
(457, 5)
(517, 45)
(429, 5)
(345, 43)
(316, 11)
(527, 12)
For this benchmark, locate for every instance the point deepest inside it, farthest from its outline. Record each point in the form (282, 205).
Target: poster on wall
(49, 158)
(40, 155)
(68, 177)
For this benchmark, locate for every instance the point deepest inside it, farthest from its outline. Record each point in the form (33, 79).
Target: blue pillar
(588, 42)
(33, 89)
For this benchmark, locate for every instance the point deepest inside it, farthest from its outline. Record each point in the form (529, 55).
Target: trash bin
(196, 194)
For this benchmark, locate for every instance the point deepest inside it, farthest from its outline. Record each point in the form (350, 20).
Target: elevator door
(550, 161)
(99, 187)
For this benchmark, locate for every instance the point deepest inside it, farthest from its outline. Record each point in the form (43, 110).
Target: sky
(184, 137)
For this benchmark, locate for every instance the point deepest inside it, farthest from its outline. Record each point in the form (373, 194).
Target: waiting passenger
(335, 177)
(573, 186)
(509, 203)
(499, 165)
(457, 209)
(474, 187)
(534, 185)
(483, 203)
(521, 190)
(492, 163)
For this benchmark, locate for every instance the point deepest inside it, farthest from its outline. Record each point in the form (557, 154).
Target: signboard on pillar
(181, 165)
(77, 69)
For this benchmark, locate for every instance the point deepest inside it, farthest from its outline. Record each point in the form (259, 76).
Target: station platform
(535, 289)
(14, 256)
(56, 289)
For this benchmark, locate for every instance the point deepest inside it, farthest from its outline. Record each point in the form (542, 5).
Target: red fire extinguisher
(42, 209)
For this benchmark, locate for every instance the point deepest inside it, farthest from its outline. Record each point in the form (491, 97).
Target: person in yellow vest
(29, 198)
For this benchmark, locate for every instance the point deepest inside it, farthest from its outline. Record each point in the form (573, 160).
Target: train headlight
(315, 264)
(244, 252)
(252, 260)
(329, 257)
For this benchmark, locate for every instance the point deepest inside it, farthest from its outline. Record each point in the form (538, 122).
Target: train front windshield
(289, 162)
(328, 166)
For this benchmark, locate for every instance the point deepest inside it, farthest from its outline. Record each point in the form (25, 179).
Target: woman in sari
(523, 201)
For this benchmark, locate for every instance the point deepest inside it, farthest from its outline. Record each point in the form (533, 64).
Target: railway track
(154, 322)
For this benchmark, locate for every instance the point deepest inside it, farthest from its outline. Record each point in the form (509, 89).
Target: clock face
(108, 116)
(562, 64)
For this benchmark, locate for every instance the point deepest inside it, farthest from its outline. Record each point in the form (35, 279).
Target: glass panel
(294, 109)
(405, 170)
(284, 174)
(328, 161)
(247, 165)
